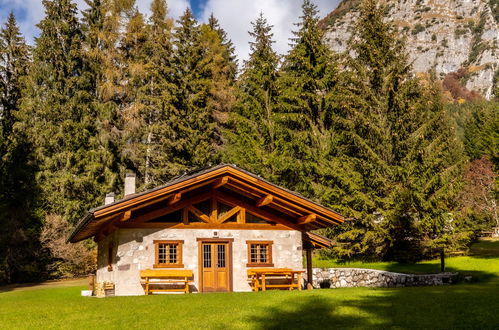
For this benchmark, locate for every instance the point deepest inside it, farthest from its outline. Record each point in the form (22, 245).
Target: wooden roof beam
(220, 182)
(253, 209)
(265, 200)
(306, 219)
(169, 209)
(293, 198)
(126, 215)
(203, 217)
(174, 199)
(229, 214)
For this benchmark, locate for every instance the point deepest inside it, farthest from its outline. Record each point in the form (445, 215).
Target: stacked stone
(359, 277)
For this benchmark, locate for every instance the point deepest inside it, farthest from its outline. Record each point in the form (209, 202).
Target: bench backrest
(164, 273)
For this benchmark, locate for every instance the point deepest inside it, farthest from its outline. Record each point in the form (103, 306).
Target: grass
(482, 263)
(471, 305)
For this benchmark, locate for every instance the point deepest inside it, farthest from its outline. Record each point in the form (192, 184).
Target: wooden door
(215, 265)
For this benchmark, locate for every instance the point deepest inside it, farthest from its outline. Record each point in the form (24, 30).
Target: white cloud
(235, 17)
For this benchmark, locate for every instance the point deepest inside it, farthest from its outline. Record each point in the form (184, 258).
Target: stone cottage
(219, 223)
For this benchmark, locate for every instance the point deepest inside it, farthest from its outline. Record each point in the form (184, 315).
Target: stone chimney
(109, 198)
(129, 183)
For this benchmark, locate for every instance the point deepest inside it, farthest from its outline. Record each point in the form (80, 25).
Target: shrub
(417, 29)
(69, 260)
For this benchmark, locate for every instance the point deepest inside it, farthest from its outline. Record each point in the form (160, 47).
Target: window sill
(259, 265)
(168, 266)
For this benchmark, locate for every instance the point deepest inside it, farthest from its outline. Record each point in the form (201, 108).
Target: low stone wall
(359, 277)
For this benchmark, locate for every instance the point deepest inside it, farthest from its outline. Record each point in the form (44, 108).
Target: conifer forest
(110, 89)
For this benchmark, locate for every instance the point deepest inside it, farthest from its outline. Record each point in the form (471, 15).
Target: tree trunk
(442, 260)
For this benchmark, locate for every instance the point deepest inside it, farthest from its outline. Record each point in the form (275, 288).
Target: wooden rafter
(232, 201)
(229, 214)
(286, 206)
(266, 200)
(220, 182)
(169, 209)
(175, 198)
(200, 215)
(306, 219)
(291, 199)
(126, 216)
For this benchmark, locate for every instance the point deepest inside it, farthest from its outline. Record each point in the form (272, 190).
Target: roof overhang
(258, 193)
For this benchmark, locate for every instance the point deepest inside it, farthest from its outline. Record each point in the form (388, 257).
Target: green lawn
(482, 263)
(472, 305)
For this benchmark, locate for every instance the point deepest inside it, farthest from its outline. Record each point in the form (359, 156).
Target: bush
(69, 259)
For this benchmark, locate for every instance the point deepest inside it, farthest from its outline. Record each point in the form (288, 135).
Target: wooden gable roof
(225, 183)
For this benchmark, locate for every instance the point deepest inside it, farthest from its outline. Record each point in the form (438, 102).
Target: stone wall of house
(133, 250)
(359, 277)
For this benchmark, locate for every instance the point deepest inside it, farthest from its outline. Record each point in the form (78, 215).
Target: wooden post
(263, 283)
(442, 260)
(309, 268)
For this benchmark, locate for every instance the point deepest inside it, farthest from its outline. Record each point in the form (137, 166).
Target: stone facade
(359, 277)
(133, 250)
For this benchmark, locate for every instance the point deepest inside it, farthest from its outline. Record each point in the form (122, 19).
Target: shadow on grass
(471, 306)
(44, 284)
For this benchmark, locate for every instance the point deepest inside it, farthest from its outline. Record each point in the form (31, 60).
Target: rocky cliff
(445, 35)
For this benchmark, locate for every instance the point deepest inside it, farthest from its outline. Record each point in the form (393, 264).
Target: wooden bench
(171, 277)
(265, 278)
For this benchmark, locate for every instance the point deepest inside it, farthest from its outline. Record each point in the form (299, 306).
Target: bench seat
(169, 277)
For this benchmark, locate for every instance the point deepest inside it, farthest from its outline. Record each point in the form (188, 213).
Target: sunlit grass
(465, 305)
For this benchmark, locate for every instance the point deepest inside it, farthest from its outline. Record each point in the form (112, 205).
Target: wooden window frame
(178, 264)
(269, 262)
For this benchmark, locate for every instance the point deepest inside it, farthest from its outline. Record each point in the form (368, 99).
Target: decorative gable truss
(223, 197)
(209, 210)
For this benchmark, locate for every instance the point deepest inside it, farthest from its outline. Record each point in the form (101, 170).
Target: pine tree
(14, 59)
(58, 117)
(196, 130)
(401, 143)
(21, 258)
(304, 110)
(251, 131)
(151, 118)
(218, 67)
(96, 54)
(229, 50)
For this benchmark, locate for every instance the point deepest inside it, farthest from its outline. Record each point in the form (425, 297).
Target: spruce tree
(218, 67)
(21, 258)
(151, 119)
(229, 50)
(303, 112)
(14, 60)
(251, 130)
(58, 117)
(401, 143)
(195, 138)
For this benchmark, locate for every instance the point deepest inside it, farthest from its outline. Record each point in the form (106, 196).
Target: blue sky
(197, 7)
(235, 16)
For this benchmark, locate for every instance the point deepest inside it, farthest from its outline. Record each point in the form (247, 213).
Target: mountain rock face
(445, 35)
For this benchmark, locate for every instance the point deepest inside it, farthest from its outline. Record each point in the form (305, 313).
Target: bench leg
(299, 282)
(147, 286)
(186, 286)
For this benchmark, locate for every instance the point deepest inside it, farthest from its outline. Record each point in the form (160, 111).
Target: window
(168, 254)
(259, 254)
